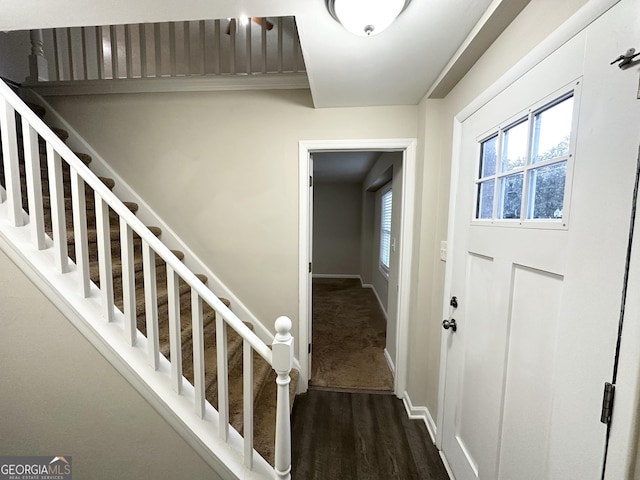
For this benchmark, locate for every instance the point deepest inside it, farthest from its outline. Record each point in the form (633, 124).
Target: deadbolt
(454, 302)
(450, 324)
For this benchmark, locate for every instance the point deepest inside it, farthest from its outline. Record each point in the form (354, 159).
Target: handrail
(135, 223)
(279, 356)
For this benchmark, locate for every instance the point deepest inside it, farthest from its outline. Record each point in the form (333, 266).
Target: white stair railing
(280, 356)
(170, 49)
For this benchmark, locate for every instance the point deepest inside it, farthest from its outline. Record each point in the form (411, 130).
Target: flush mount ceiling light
(366, 17)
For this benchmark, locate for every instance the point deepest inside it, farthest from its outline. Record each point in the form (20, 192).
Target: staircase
(188, 335)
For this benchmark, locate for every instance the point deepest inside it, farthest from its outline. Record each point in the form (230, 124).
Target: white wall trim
(565, 32)
(408, 147)
(336, 275)
(389, 360)
(420, 413)
(123, 191)
(591, 11)
(86, 315)
(280, 81)
(447, 467)
(375, 292)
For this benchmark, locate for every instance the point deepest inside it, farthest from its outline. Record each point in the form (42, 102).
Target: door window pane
(488, 157)
(510, 196)
(485, 200)
(552, 132)
(546, 191)
(514, 146)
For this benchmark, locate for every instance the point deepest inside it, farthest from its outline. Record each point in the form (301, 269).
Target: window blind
(385, 229)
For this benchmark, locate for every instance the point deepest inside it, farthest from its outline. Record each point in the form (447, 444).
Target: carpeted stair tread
(114, 231)
(162, 295)
(39, 110)
(61, 133)
(91, 207)
(261, 370)
(116, 265)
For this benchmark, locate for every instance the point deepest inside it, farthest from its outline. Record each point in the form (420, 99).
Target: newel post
(282, 351)
(38, 65)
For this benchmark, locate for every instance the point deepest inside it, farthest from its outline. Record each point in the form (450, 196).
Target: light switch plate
(443, 250)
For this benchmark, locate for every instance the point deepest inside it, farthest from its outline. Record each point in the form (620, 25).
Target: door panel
(538, 307)
(533, 335)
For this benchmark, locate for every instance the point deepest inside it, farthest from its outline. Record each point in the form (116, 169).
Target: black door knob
(450, 324)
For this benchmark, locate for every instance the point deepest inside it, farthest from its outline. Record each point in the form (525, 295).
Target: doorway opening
(381, 165)
(354, 257)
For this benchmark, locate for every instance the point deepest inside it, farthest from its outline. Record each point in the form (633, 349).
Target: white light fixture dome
(366, 17)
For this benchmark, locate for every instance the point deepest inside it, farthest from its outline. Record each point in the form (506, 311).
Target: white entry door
(541, 223)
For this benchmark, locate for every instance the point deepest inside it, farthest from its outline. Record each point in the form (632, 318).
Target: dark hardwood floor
(354, 436)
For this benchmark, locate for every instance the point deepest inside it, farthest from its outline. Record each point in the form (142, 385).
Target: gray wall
(59, 396)
(221, 169)
(14, 52)
(337, 217)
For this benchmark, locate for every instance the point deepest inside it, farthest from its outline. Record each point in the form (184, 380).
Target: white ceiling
(397, 67)
(347, 167)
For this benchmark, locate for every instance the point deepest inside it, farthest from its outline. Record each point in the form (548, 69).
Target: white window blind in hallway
(385, 228)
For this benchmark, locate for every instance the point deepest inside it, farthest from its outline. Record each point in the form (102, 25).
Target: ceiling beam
(494, 21)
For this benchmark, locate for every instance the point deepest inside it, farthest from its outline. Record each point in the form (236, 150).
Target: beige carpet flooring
(349, 331)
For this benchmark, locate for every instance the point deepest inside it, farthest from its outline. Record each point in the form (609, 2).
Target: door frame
(574, 25)
(408, 148)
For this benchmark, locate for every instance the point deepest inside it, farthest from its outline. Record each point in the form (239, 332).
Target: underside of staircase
(264, 377)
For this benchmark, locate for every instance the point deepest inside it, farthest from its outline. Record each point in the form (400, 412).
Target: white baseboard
(335, 275)
(445, 462)
(375, 292)
(392, 367)
(149, 217)
(420, 413)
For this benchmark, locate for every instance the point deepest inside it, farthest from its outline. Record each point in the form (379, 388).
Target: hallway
(349, 332)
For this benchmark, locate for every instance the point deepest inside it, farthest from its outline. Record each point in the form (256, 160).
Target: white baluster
(11, 165)
(113, 42)
(157, 37)
(223, 376)
(85, 54)
(203, 47)
(172, 49)
(128, 282)
(217, 49)
(264, 45)
(99, 53)
(79, 207)
(296, 47)
(280, 44)
(58, 219)
(233, 28)
(128, 50)
(56, 56)
(34, 184)
(249, 67)
(151, 304)
(187, 48)
(103, 231)
(38, 66)
(247, 391)
(72, 74)
(175, 343)
(282, 349)
(197, 330)
(143, 50)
